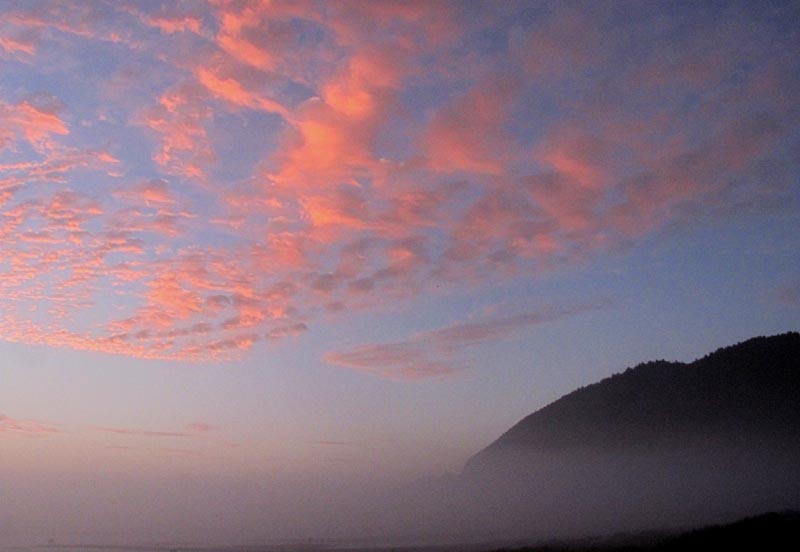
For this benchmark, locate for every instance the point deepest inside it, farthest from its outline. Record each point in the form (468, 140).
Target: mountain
(739, 396)
(662, 446)
(659, 447)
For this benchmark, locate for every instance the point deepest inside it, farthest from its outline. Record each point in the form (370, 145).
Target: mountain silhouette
(744, 395)
(663, 446)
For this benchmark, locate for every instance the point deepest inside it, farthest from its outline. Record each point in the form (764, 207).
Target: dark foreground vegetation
(767, 532)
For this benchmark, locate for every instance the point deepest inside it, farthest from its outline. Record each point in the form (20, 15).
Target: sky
(357, 241)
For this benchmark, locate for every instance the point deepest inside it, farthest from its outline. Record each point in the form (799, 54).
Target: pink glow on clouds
(171, 257)
(16, 45)
(194, 429)
(35, 124)
(232, 91)
(436, 353)
(11, 427)
(178, 119)
(177, 24)
(468, 134)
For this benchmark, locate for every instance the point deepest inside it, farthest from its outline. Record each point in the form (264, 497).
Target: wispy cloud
(10, 427)
(194, 429)
(201, 427)
(437, 353)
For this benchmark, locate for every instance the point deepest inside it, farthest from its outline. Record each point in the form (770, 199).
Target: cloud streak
(437, 353)
(11, 427)
(192, 430)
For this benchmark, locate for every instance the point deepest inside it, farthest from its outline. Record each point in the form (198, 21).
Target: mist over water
(662, 446)
(520, 496)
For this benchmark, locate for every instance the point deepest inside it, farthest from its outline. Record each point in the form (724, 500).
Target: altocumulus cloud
(337, 185)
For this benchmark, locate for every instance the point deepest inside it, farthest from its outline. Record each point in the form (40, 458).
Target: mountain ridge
(742, 392)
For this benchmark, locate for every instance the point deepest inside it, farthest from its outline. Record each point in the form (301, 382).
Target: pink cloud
(423, 23)
(179, 120)
(168, 293)
(435, 353)
(19, 45)
(144, 433)
(286, 331)
(194, 429)
(10, 427)
(35, 123)
(201, 427)
(239, 342)
(467, 135)
(332, 137)
(258, 34)
(175, 24)
(565, 42)
(153, 193)
(231, 90)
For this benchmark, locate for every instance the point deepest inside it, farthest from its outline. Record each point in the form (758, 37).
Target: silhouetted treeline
(739, 394)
